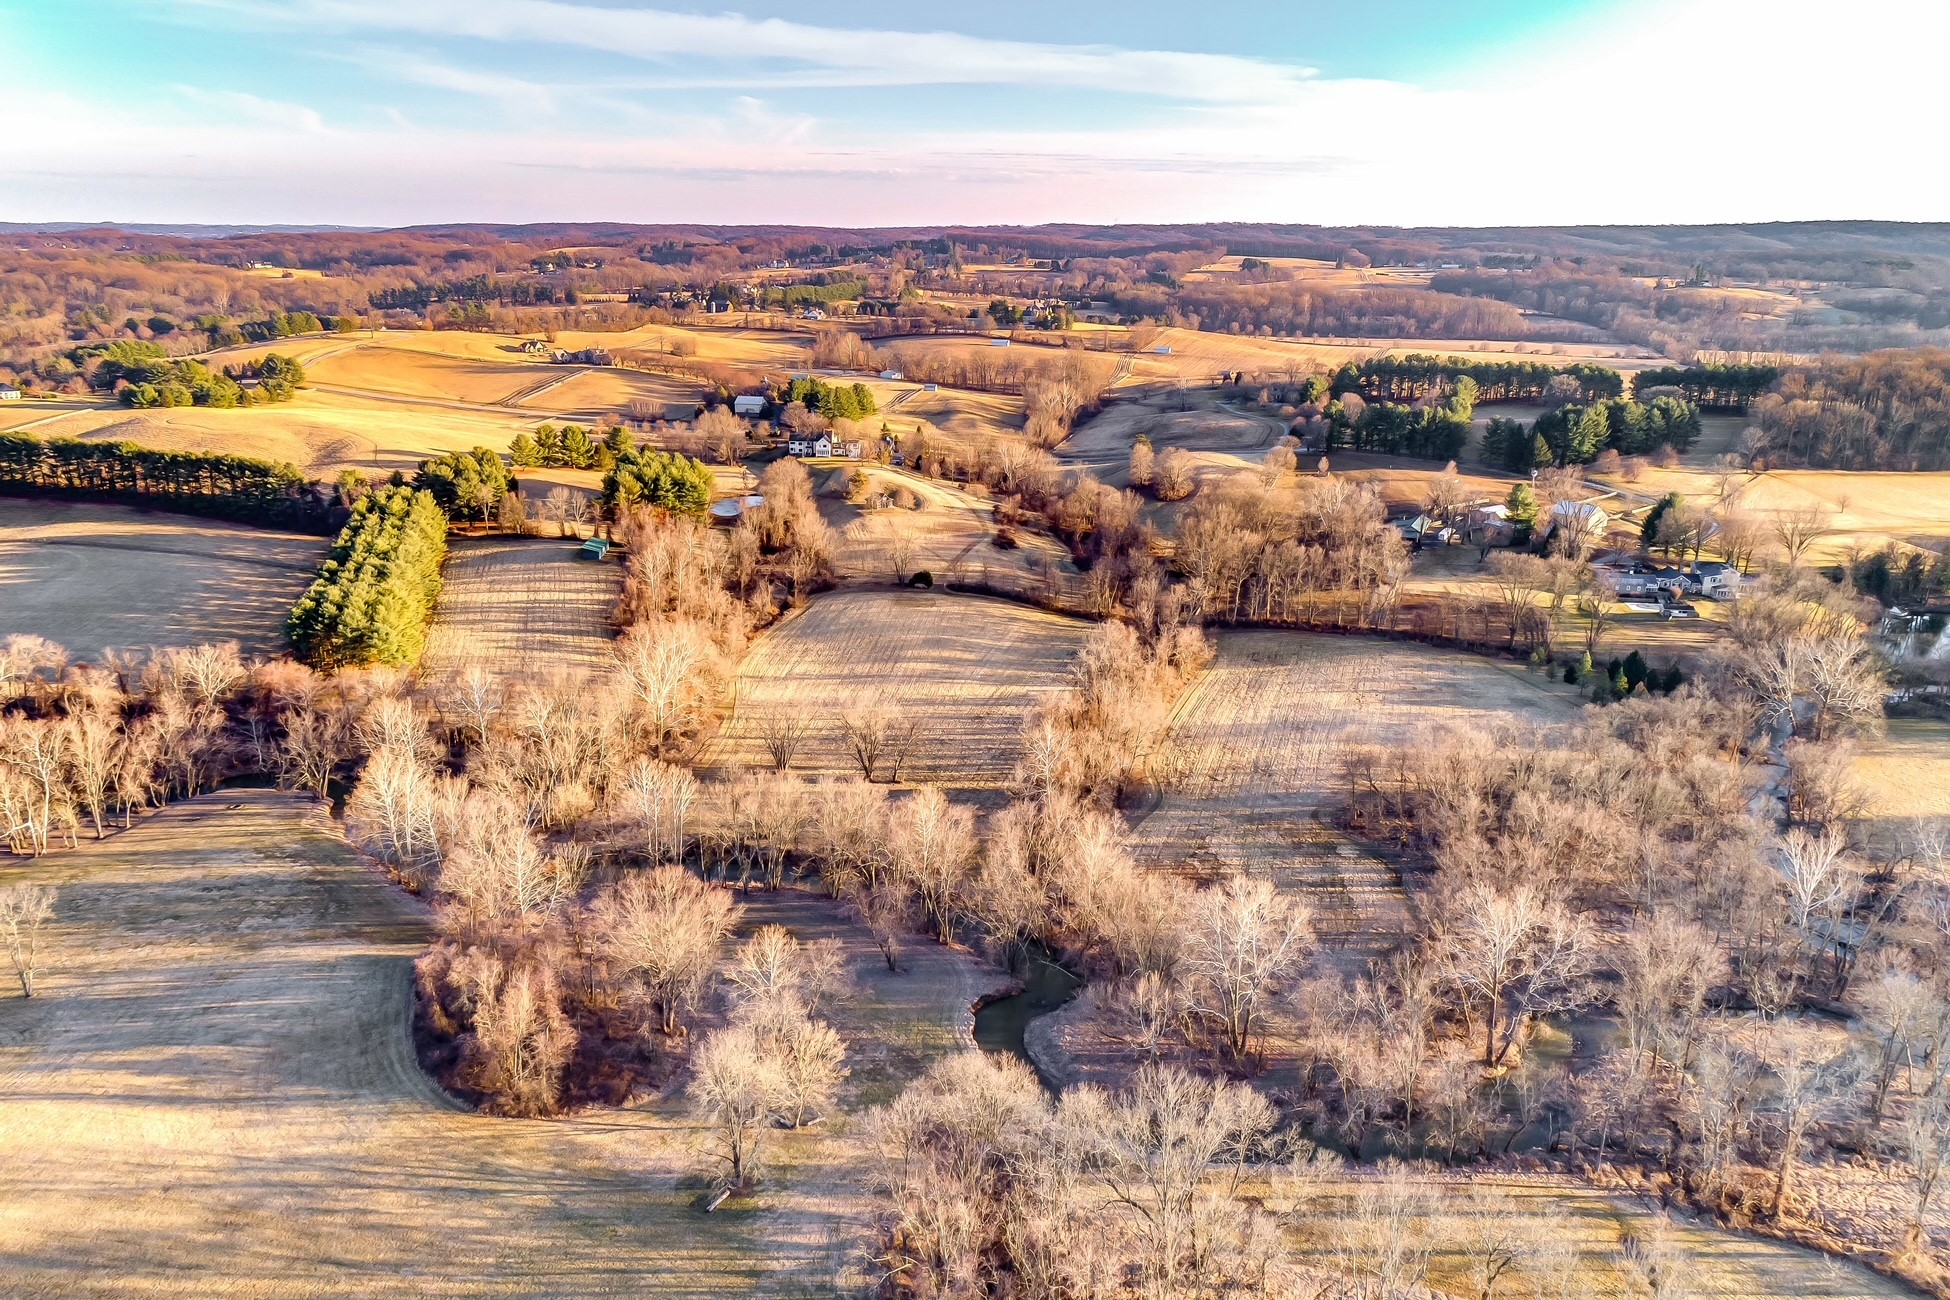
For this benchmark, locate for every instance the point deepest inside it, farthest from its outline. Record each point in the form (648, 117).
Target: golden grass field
(952, 534)
(1906, 770)
(214, 1093)
(99, 577)
(970, 667)
(522, 607)
(1709, 1261)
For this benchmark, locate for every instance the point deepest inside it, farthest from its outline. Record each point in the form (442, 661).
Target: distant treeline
(474, 289)
(252, 491)
(1715, 388)
(1418, 376)
(375, 592)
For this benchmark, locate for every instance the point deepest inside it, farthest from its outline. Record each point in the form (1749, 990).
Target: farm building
(890, 374)
(8, 393)
(748, 404)
(998, 343)
(1580, 516)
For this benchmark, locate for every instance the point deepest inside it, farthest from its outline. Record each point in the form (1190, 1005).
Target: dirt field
(970, 666)
(100, 577)
(522, 607)
(216, 1094)
(1255, 753)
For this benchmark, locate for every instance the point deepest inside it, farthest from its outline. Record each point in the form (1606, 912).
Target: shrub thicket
(271, 493)
(662, 479)
(375, 591)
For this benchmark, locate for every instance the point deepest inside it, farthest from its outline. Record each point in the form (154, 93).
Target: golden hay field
(952, 533)
(1906, 771)
(969, 667)
(214, 1093)
(319, 432)
(1861, 508)
(100, 577)
(1253, 761)
(522, 607)
(770, 349)
(412, 372)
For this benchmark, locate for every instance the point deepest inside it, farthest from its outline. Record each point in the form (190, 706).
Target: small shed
(595, 549)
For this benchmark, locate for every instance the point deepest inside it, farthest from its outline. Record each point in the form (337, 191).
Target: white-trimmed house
(8, 393)
(817, 445)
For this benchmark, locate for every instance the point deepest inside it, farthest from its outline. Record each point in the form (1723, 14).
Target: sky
(875, 113)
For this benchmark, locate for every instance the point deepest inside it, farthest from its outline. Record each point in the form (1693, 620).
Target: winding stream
(1000, 1024)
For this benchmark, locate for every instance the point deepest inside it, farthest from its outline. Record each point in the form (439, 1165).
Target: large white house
(8, 393)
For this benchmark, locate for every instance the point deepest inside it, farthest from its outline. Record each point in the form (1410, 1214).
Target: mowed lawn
(96, 578)
(214, 1093)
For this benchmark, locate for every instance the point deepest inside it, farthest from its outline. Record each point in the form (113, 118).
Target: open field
(100, 577)
(1255, 752)
(762, 349)
(1861, 508)
(411, 372)
(215, 1094)
(1712, 1262)
(960, 414)
(1906, 770)
(522, 607)
(969, 667)
(1221, 441)
(604, 393)
(319, 432)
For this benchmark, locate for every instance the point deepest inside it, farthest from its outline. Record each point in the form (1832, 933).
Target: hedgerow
(375, 592)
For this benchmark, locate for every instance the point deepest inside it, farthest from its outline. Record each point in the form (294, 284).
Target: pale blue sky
(875, 112)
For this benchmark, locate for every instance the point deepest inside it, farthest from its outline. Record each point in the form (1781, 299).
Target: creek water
(1000, 1024)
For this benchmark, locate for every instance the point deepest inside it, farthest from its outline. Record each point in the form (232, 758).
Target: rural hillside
(906, 723)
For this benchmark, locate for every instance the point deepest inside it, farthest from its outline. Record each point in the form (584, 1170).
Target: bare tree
(782, 730)
(932, 846)
(666, 929)
(1795, 530)
(1807, 1081)
(24, 909)
(1516, 952)
(1278, 462)
(1175, 470)
(864, 732)
(734, 1088)
(1243, 944)
(901, 551)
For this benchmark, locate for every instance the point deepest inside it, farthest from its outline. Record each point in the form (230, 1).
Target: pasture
(1255, 753)
(967, 668)
(215, 1093)
(522, 607)
(951, 534)
(95, 578)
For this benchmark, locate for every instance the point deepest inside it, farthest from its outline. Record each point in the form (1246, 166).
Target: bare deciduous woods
(994, 1188)
(24, 909)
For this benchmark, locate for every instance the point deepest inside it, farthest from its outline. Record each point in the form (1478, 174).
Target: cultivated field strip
(522, 607)
(968, 668)
(1256, 756)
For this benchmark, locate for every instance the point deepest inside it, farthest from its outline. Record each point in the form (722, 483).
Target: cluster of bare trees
(1104, 732)
(86, 747)
(1250, 552)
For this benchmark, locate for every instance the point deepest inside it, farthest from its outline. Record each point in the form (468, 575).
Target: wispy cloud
(810, 53)
(252, 108)
(399, 65)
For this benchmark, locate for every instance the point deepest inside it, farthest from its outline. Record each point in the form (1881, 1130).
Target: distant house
(534, 347)
(850, 449)
(1580, 516)
(748, 404)
(586, 357)
(1717, 581)
(8, 393)
(819, 445)
(890, 374)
